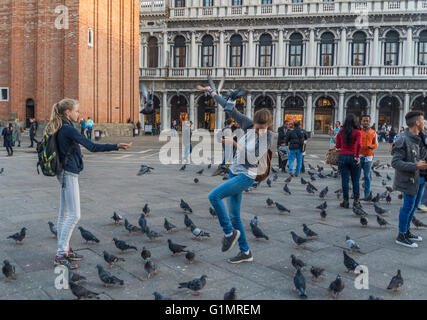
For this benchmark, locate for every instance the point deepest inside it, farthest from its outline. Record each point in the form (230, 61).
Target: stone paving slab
(109, 183)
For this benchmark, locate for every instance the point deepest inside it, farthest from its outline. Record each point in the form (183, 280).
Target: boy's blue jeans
(232, 190)
(292, 155)
(366, 166)
(349, 168)
(410, 204)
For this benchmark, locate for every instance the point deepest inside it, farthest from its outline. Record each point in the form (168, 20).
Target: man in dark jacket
(409, 155)
(295, 141)
(283, 158)
(33, 130)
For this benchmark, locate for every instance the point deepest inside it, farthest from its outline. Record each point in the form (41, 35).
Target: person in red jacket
(349, 141)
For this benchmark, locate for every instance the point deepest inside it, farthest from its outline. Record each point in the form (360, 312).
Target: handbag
(264, 165)
(332, 157)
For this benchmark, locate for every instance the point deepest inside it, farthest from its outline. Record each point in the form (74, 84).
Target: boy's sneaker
(242, 257)
(404, 241)
(345, 204)
(422, 207)
(63, 261)
(229, 242)
(412, 237)
(368, 197)
(72, 256)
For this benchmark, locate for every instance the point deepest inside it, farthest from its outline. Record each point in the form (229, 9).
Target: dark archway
(294, 110)
(179, 109)
(29, 111)
(324, 114)
(264, 102)
(358, 106)
(420, 103)
(154, 118)
(389, 112)
(206, 113)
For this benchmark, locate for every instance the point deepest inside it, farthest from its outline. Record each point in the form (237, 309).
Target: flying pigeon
(336, 287)
(117, 218)
(299, 282)
(176, 248)
(8, 271)
(230, 295)
(111, 259)
(88, 236)
(195, 285)
(53, 229)
(149, 98)
(19, 236)
(107, 278)
(123, 246)
(396, 282)
(184, 206)
(351, 245)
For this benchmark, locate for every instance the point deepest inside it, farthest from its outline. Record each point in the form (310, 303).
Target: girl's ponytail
(58, 112)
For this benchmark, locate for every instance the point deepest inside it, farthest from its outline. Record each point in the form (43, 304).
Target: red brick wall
(46, 64)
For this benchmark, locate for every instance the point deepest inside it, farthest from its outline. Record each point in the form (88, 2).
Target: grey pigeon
(268, 182)
(312, 186)
(151, 234)
(281, 208)
(322, 206)
(168, 226)
(388, 198)
(364, 221)
(323, 214)
(417, 223)
(88, 236)
(188, 222)
(53, 229)
(396, 282)
(316, 273)
(176, 248)
(123, 246)
(200, 172)
(150, 268)
(336, 287)
(254, 221)
(308, 232)
(349, 262)
(303, 181)
(145, 253)
(184, 206)
(381, 221)
(195, 285)
(297, 263)
(74, 276)
(107, 278)
(146, 209)
(379, 210)
(288, 179)
(148, 97)
(81, 292)
(358, 211)
(299, 282)
(183, 167)
(196, 180)
(130, 227)
(142, 222)
(144, 169)
(111, 259)
(286, 189)
(298, 240)
(8, 271)
(158, 296)
(258, 233)
(351, 245)
(212, 212)
(269, 202)
(117, 218)
(199, 234)
(189, 257)
(309, 189)
(19, 236)
(323, 193)
(230, 295)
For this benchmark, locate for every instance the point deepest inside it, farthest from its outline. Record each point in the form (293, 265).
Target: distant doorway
(29, 112)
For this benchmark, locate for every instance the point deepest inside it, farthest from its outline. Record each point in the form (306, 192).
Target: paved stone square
(110, 183)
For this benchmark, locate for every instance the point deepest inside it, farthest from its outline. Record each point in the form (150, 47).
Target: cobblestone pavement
(109, 183)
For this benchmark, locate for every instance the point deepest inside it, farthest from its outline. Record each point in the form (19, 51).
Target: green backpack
(48, 154)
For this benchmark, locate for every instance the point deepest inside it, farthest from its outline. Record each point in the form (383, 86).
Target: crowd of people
(12, 135)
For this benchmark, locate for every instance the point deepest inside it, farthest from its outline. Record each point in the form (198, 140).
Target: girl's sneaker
(63, 261)
(72, 256)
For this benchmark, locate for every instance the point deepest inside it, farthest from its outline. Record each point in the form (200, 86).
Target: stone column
(278, 112)
(408, 55)
(165, 122)
(343, 52)
(309, 121)
(341, 107)
(373, 110)
(249, 105)
(165, 49)
(376, 53)
(194, 55)
(191, 115)
(311, 54)
(280, 50)
(251, 53)
(405, 110)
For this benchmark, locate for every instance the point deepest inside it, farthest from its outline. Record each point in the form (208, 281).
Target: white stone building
(309, 60)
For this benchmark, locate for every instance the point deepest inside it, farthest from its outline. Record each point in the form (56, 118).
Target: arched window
(358, 57)
(179, 3)
(265, 50)
(236, 2)
(208, 3)
(422, 49)
(295, 50)
(266, 1)
(327, 49)
(391, 49)
(236, 48)
(153, 53)
(207, 51)
(179, 52)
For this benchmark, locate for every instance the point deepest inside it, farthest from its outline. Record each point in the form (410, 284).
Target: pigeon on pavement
(195, 285)
(184, 206)
(230, 295)
(308, 232)
(282, 209)
(176, 248)
(88, 236)
(107, 278)
(130, 227)
(122, 245)
(351, 245)
(396, 282)
(381, 221)
(53, 229)
(316, 272)
(117, 218)
(81, 292)
(19, 236)
(189, 256)
(298, 240)
(349, 262)
(188, 222)
(168, 226)
(145, 253)
(150, 268)
(299, 282)
(257, 232)
(111, 259)
(336, 287)
(8, 271)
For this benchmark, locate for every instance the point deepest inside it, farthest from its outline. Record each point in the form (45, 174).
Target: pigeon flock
(302, 239)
